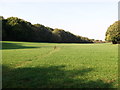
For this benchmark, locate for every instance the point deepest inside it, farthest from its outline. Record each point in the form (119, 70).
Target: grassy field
(52, 65)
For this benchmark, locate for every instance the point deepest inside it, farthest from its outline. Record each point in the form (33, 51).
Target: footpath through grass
(51, 65)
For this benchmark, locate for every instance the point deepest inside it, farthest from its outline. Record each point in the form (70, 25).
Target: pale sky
(88, 18)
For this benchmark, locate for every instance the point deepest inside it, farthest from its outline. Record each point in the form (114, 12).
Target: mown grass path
(52, 65)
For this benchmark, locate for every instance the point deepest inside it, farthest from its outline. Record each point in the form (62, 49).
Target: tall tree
(113, 33)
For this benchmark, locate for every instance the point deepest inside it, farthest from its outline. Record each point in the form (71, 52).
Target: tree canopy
(113, 33)
(16, 29)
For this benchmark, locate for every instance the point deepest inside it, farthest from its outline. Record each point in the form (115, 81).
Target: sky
(88, 18)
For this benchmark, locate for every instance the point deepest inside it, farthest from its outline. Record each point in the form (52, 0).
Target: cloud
(24, 1)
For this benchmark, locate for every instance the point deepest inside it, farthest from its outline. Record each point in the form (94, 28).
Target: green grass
(41, 65)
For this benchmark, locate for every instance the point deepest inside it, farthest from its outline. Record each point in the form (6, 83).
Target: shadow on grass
(14, 46)
(49, 77)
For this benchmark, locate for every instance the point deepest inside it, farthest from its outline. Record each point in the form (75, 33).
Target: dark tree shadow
(49, 77)
(14, 46)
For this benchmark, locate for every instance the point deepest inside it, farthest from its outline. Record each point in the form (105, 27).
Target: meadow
(59, 65)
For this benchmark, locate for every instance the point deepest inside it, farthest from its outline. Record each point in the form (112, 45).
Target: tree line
(16, 29)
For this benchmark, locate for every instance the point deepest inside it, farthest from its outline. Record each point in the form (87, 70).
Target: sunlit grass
(53, 65)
